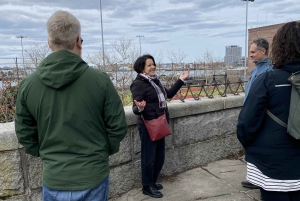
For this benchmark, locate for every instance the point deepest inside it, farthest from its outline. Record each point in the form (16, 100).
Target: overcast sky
(191, 26)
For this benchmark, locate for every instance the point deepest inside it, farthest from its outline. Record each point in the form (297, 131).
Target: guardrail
(210, 90)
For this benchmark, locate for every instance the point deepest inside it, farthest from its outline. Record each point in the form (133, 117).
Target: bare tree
(208, 58)
(219, 62)
(211, 62)
(159, 56)
(125, 53)
(36, 53)
(125, 50)
(118, 62)
(96, 60)
(176, 56)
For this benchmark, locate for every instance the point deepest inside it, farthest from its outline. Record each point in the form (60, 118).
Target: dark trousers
(280, 196)
(152, 157)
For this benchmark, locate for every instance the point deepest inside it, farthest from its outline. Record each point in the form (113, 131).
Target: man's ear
(264, 51)
(78, 42)
(49, 44)
(52, 48)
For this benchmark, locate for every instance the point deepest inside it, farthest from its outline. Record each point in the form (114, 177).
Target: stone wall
(202, 132)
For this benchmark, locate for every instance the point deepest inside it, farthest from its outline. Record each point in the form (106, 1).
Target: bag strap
(146, 120)
(276, 118)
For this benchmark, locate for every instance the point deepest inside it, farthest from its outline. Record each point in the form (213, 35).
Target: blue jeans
(152, 157)
(98, 193)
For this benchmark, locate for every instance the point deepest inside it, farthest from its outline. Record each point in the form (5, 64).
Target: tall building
(233, 55)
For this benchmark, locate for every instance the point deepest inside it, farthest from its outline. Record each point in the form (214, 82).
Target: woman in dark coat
(273, 156)
(149, 99)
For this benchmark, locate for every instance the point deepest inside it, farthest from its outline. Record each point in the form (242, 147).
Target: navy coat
(267, 144)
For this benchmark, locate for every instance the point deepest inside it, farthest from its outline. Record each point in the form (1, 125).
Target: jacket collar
(262, 62)
(292, 67)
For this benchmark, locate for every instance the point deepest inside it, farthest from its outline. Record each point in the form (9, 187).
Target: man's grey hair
(262, 44)
(63, 30)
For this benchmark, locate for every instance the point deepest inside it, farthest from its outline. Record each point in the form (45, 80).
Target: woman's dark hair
(140, 63)
(286, 44)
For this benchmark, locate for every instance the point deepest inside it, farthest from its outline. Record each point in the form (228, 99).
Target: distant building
(233, 55)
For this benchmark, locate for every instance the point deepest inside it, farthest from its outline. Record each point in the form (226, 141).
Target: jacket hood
(292, 67)
(60, 68)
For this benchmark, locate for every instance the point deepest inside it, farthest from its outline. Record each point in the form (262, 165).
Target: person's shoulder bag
(157, 128)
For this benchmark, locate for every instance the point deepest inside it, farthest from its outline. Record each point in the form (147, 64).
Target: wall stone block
(8, 137)
(17, 198)
(197, 128)
(35, 170)
(199, 154)
(124, 154)
(125, 177)
(11, 175)
(36, 195)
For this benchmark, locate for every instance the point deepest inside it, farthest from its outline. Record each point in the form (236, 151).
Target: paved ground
(218, 181)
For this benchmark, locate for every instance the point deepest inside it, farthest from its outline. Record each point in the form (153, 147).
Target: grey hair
(63, 30)
(262, 44)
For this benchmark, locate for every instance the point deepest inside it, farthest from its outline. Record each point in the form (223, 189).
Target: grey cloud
(226, 34)
(175, 12)
(213, 25)
(143, 24)
(173, 17)
(74, 4)
(183, 21)
(107, 5)
(120, 13)
(288, 9)
(154, 40)
(127, 9)
(161, 40)
(205, 5)
(163, 29)
(211, 5)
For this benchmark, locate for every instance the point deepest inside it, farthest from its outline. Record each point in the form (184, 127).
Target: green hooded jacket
(72, 117)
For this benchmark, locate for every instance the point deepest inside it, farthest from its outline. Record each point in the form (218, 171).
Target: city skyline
(167, 25)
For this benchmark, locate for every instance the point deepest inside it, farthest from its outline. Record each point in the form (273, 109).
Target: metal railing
(210, 90)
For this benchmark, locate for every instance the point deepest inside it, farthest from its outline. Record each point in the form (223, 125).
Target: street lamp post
(22, 48)
(246, 32)
(140, 43)
(102, 36)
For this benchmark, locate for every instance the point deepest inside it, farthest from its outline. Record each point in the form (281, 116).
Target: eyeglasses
(80, 39)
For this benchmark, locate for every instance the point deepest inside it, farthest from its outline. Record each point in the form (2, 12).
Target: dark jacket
(267, 144)
(72, 117)
(141, 89)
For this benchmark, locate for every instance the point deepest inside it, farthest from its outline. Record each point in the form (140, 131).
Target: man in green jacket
(71, 116)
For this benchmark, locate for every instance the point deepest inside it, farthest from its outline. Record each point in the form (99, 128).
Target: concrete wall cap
(8, 137)
(191, 106)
